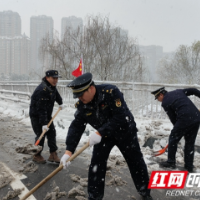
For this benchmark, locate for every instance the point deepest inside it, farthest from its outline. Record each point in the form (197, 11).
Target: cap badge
(118, 102)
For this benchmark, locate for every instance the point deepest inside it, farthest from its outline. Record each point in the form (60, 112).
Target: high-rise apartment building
(10, 24)
(40, 26)
(70, 22)
(14, 47)
(14, 55)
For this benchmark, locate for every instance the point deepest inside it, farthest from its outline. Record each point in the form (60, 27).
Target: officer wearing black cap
(53, 73)
(104, 108)
(81, 84)
(41, 108)
(185, 117)
(156, 93)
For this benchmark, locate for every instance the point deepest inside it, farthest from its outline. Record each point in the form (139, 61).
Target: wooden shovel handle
(41, 136)
(54, 172)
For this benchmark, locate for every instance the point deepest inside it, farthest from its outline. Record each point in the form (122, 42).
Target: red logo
(167, 179)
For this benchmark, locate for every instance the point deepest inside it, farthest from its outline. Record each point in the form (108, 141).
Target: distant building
(40, 26)
(123, 32)
(10, 24)
(169, 55)
(14, 47)
(14, 55)
(151, 56)
(70, 22)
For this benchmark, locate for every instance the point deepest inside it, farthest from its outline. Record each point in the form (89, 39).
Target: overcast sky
(167, 23)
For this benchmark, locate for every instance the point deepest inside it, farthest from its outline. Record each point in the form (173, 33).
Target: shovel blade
(37, 142)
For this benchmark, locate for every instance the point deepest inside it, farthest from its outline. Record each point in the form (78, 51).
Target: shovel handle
(54, 172)
(41, 136)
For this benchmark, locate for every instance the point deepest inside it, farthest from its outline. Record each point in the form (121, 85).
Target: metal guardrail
(16, 93)
(14, 99)
(137, 95)
(16, 96)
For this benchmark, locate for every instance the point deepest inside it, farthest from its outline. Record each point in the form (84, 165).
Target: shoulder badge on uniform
(111, 91)
(76, 104)
(44, 88)
(118, 102)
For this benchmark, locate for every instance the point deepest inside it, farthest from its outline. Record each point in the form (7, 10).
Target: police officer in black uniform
(41, 108)
(185, 117)
(104, 108)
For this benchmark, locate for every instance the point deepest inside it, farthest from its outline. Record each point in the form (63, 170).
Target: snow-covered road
(159, 130)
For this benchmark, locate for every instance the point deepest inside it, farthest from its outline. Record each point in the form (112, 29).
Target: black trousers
(50, 134)
(129, 147)
(190, 135)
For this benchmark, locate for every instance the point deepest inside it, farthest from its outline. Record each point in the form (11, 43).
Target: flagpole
(82, 64)
(82, 53)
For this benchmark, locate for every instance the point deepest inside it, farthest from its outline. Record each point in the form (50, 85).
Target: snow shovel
(54, 172)
(157, 153)
(41, 136)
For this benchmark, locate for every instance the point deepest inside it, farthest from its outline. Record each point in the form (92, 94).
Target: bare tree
(184, 67)
(107, 51)
(55, 55)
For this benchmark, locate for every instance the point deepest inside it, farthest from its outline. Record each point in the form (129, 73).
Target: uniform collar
(48, 85)
(97, 97)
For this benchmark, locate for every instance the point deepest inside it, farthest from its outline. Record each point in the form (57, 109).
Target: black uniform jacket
(180, 109)
(42, 102)
(107, 113)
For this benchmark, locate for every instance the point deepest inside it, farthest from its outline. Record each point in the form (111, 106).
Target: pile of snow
(158, 130)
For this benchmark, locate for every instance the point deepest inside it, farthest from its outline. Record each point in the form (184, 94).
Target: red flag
(78, 72)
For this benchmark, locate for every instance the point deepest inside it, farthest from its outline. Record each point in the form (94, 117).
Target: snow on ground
(147, 128)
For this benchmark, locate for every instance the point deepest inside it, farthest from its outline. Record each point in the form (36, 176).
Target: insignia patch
(103, 106)
(56, 73)
(88, 114)
(118, 102)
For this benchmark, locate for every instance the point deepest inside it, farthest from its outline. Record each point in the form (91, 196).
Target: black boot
(147, 198)
(189, 168)
(168, 164)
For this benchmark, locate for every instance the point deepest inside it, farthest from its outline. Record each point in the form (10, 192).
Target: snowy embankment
(152, 134)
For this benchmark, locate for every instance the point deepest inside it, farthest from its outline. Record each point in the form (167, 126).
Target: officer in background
(104, 108)
(185, 117)
(41, 108)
